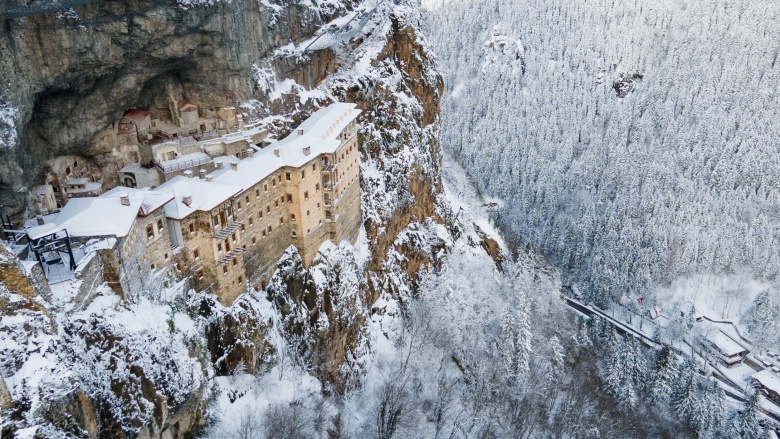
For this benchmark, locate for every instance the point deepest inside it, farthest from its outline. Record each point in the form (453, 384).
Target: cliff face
(67, 77)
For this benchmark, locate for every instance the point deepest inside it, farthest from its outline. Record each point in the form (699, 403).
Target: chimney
(209, 178)
(300, 132)
(234, 166)
(39, 219)
(187, 200)
(307, 150)
(220, 165)
(125, 200)
(188, 173)
(250, 152)
(276, 152)
(202, 174)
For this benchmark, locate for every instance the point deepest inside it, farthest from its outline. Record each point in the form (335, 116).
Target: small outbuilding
(730, 352)
(768, 384)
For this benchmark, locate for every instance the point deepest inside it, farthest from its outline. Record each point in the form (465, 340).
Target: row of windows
(150, 230)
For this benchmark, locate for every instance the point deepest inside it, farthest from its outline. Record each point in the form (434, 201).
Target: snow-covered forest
(635, 143)
(477, 351)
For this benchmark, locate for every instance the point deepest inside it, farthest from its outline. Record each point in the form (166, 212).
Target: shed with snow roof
(768, 383)
(729, 351)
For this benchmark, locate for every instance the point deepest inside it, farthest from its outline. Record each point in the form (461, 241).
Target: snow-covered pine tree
(664, 373)
(743, 423)
(523, 336)
(761, 320)
(684, 395)
(507, 350)
(626, 371)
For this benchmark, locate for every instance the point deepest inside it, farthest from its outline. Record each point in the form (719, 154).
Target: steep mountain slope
(97, 365)
(633, 143)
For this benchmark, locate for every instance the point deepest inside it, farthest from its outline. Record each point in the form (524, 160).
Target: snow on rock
(109, 351)
(8, 118)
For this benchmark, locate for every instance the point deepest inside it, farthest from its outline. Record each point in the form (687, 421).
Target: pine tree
(506, 342)
(664, 373)
(684, 395)
(714, 402)
(761, 320)
(523, 337)
(556, 349)
(744, 423)
(626, 371)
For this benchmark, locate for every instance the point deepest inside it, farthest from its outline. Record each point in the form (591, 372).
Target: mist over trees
(634, 143)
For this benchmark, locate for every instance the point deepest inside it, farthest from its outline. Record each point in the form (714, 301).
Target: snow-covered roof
(152, 200)
(41, 189)
(226, 160)
(205, 195)
(104, 215)
(88, 187)
(76, 181)
(320, 133)
(768, 380)
(185, 161)
(725, 344)
(33, 222)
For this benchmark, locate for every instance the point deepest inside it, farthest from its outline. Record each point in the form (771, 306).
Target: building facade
(226, 227)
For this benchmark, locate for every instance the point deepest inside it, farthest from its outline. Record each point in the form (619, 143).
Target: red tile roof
(185, 106)
(136, 115)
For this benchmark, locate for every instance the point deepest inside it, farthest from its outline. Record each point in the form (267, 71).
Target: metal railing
(182, 165)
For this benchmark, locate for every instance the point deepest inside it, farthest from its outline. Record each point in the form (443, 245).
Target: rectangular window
(247, 200)
(265, 187)
(303, 175)
(314, 167)
(200, 274)
(292, 217)
(289, 198)
(260, 214)
(287, 176)
(257, 194)
(250, 221)
(240, 280)
(235, 262)
(281, 220)
(306, 195)
(270, 229)
(149, 232)
(294, 235)
(267, 209)
(307, 213)
(224, 270)
(219, 246)
(160, 226)
(196, 254)
(239, 205)
(276, 203)
(317, 187)
(192, 228)
(254, 240)
(166, 256)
